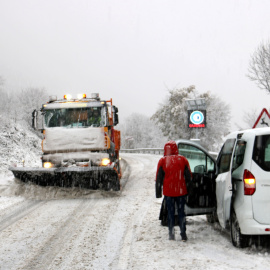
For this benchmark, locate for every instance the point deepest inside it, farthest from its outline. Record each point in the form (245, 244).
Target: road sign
(196, 112)
(197, 118)
(263, 119)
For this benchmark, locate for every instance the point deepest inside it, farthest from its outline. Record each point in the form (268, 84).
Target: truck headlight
(47, 165)
(105, 161)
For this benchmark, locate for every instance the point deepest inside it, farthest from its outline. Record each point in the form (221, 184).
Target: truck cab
(79, 131)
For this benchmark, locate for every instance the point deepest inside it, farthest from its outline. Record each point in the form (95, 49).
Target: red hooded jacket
(172, 167)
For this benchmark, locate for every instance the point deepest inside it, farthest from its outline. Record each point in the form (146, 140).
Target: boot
(171, 235)
(184, 237)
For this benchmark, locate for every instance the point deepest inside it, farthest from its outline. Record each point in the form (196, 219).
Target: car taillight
(249, 183)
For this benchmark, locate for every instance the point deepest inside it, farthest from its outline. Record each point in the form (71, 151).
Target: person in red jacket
(172, 170)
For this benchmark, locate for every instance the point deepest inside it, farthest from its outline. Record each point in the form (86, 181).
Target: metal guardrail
(155, 151)
(160, 151)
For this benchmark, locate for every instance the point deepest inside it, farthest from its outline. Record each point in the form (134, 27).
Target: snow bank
(18, 146)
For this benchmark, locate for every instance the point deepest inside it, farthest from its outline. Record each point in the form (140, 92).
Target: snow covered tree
(5, 103)
(19, 107)
(3, 95)
(259, 67)
(30, 99)
(172, 118)
(138, 131)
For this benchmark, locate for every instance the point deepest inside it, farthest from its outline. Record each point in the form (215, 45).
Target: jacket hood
(170, 149)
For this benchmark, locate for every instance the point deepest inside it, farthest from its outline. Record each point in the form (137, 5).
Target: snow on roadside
(18, 144)
(208, 247)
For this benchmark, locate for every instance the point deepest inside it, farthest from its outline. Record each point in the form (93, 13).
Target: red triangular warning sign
(263, 120)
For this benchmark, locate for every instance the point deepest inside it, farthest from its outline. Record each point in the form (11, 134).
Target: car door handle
(236, 180)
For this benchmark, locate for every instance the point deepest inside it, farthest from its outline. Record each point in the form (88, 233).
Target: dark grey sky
(134, 50)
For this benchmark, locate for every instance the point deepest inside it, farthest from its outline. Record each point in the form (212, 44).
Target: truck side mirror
(115, 115)
(34, 119)
(37, 121)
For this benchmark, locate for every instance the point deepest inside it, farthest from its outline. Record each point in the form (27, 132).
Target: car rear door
(201, 197)
(260, 168)
(223, 181)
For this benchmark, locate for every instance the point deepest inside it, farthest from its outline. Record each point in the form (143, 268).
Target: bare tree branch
(259, 67)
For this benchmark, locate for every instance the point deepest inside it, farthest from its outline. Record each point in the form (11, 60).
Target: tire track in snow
(86, 233)
(24, 209)
(90, 244)
(132, 210)
(53, 245)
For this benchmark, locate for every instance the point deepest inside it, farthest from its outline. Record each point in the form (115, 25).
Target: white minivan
(234, 188)
(243, 184)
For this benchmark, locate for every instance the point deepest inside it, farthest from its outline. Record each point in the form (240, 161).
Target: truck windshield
(75, 117)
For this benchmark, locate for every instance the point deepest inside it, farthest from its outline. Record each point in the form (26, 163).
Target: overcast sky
(134, 50)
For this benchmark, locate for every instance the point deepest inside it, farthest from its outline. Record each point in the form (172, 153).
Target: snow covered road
(57, 228)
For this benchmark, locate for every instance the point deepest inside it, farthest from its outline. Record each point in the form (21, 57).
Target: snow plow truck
(80, 144)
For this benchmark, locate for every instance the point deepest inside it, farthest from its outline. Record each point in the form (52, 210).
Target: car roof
(254, 131)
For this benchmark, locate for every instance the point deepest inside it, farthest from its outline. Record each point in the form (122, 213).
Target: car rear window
(261, 151)
(225, 155)
(239, 154)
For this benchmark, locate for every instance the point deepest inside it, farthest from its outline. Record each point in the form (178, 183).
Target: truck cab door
(223, 182)
(201, 197)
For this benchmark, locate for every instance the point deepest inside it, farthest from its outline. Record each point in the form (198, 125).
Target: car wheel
(238, 240)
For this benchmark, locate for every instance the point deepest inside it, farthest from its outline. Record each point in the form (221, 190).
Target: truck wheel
(108, 186)
(112, 183)
(116, 186)
(115, 183)
(238, 240)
